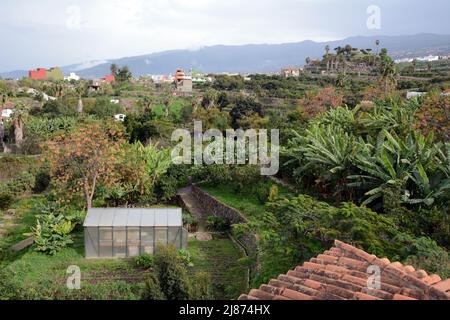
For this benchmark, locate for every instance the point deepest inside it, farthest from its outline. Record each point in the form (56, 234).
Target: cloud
(70, 31)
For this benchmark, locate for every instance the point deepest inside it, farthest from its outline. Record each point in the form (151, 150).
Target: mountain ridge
(254, 58)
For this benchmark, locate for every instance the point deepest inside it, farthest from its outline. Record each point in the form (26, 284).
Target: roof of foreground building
(341, 273)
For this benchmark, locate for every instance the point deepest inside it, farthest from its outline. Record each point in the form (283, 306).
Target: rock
(203, 236)
(23, 244)
(11, 211)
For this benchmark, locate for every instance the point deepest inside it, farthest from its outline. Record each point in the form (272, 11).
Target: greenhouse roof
(131, 217)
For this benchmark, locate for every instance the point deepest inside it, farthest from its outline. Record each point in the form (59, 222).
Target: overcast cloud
(60, 32)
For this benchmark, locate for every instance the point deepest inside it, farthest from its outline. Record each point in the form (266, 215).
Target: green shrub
(185, 258)
(201, 287)
(52, 233)
(144, 260)
(152, 289)
(424, 253)
(42, 182)
(171, 274)
(263, 192)
(219, 224)
(273, 193)
(6, 200)
(53, 228)
(190, 222)
(24, 182)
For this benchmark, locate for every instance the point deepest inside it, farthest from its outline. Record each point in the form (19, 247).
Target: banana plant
(406, 163)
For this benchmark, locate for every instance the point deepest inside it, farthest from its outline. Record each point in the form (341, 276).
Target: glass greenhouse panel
(105, 242)
(119, 242)
(133, 241)
(161, 236)
(91, 242)
(147, 240)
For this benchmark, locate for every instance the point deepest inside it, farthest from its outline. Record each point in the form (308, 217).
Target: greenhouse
(123, 232)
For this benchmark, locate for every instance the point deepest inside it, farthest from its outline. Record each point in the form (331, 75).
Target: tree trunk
(2, 130)
(80, 105)
(18, 131)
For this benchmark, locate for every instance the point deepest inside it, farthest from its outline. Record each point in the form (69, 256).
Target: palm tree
(327, 49)
(388, 73)
(114, 69)
(18, 122)
(80, 89)
(377, 43)
(414, 64)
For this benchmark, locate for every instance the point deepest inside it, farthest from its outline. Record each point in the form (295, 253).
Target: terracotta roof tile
(443, 285)
(402, 297)
(295, 295)
(432, 279)
(363, 296)
(341, 273)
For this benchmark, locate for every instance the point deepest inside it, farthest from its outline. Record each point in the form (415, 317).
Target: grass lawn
(24, 218)
(272, 263)
(249, 205)
(40, 276)
(220, 259)
(175, 108)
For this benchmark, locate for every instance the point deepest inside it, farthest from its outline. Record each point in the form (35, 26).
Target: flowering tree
(83, 158)
(434, 115)
(322, 101)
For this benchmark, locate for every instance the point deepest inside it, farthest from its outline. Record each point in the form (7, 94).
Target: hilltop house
(183, 84)
(38, 74)
(46, 74)
(290, 72)
(110, 78)
(96, 83)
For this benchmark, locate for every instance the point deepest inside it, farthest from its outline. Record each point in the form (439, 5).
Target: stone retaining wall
(215, 207)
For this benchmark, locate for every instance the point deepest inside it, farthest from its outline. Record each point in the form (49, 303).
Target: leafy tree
(123, 74)
(80, 160)
(140, 168)
(212, 118)
(228, 83)
(104, 108)
(244, 106)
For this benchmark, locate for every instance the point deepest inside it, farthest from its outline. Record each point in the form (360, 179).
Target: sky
(47, 33)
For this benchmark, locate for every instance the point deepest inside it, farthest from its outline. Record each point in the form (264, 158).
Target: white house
(413, 94)
(72, 76)
(7, 113)
(120, 117)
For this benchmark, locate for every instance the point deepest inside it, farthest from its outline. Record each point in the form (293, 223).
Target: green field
(219, 258)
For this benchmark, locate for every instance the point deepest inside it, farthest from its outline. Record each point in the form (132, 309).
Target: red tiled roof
(341, 274)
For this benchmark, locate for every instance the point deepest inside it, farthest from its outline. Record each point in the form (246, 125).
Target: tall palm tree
(377, 43)
(80, 89)
(114, 69)
(18, 122)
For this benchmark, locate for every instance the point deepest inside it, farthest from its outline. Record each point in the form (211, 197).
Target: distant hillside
(256, 58)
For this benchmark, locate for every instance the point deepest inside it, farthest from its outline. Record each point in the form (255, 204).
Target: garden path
(191, 205)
